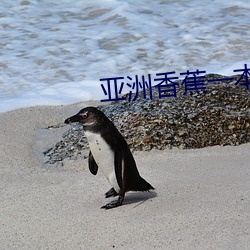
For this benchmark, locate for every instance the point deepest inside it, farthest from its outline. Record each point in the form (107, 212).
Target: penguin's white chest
(104, 157)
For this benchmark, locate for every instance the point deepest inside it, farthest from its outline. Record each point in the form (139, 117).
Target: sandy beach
(201, 198)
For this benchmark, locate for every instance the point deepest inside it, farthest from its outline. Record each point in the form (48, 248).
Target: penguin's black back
(132, 180)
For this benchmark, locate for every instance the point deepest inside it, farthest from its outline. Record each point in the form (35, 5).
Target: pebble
(219, 117)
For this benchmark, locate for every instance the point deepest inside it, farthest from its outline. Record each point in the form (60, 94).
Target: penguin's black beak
(74, 118)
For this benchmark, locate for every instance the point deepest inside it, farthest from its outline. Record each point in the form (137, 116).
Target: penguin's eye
(84, 115)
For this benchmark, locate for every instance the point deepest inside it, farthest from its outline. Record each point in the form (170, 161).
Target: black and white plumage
(110, 152)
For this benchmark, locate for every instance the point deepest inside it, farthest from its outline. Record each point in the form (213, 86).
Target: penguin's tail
(141, 185)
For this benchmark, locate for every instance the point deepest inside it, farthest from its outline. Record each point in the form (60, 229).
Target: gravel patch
(221, 116)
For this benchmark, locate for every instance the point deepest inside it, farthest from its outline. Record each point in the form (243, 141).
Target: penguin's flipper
(111, 193)
(93, 167)
(115, 203)
(118, 166)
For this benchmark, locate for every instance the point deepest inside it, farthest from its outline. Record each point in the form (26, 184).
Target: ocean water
(56, 52)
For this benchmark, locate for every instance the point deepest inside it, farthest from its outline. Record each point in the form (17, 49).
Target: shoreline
(201, 198)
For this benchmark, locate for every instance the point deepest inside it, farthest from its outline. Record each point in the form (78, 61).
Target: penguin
(110, 152)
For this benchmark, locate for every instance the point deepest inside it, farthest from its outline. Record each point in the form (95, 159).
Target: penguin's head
(88, 117)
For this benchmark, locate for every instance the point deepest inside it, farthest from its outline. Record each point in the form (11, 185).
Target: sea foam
(55, 53)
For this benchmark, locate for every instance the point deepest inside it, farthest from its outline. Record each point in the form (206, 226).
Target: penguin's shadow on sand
(139, 198)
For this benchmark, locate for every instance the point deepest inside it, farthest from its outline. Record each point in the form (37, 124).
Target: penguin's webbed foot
(111, 193)
(113, 204)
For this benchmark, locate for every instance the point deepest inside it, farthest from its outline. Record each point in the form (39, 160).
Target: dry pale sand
(201, 201)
